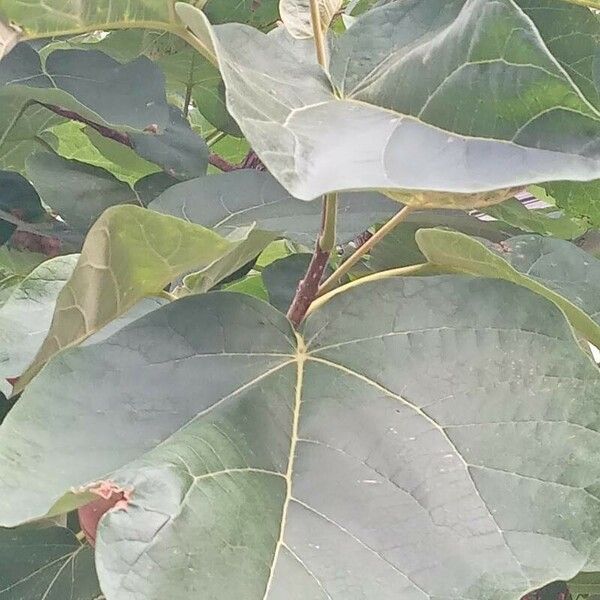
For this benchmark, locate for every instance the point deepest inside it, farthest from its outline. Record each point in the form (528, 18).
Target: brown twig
(106, 132)
(308, 286)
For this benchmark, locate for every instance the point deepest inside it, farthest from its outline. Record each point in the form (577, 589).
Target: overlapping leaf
(128, 254)
(388, 451)
(556, 269)
(46, 563)
(91, 84)
(383, 120)
(78, 192)
(238, 199)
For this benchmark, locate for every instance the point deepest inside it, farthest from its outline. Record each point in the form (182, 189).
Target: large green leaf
(128, 254)
(89, 83)
(48, 563)
(240, 198)
(556, 269)
(406, 444)
(463, 97)
(26, 315)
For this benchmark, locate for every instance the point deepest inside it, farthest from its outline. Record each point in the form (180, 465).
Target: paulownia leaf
(558, 270)
(295, 15)
(78, 192)
(240, 198)
(26, 315)
(128, 254)
(178, 150)
(46, 563)
(405, 444)
(92, 84)
(420, 97)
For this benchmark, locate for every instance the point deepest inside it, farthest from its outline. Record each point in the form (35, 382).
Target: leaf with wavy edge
(129, 253)
(425, 101)
(389, 449)
(555, 269)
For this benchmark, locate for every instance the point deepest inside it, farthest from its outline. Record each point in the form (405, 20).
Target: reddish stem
(308, 286)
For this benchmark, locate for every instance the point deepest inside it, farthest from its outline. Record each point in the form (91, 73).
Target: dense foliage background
(299, 311)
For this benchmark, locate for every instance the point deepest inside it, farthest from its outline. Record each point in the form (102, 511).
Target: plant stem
(315, 18)
(331, 281)
(328, 226)
(308, 286)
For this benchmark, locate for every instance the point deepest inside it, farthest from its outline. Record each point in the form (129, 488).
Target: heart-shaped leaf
(419, 98)
(394, 451)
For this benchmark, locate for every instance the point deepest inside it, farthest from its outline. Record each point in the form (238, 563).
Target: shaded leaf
(46, 563)
(240, 198)
(178, 150)
(277, 454)
(90, 83)
(78, 192)
(555, 269)
(19, 198)
(281, 279)
(128, 254)
(152, 186)
(457, 127)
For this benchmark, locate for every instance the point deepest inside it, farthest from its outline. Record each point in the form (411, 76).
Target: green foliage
(227, 409)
